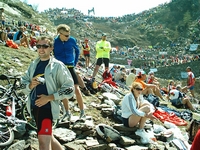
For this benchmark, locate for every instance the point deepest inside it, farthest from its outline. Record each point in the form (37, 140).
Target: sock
(82, 111)
(67, 111)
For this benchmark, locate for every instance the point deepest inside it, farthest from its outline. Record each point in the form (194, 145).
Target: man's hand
(42, 100)
(150, 116)
(34, 83)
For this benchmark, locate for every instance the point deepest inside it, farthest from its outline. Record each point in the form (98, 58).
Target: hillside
(130, 31)
(127, 31)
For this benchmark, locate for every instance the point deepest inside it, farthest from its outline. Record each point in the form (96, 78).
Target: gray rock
(20, 145)
(126, 141)
(64, 135)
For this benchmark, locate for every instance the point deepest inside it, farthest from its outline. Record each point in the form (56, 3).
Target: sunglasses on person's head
(138, 89)
(65, 35)
(42, 46)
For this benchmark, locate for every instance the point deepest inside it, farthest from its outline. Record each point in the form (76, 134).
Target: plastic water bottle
(8, 111)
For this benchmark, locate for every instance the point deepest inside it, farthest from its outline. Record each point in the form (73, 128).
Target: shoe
(67, 117)
(143, 136)
(82, 116)
(86, 92)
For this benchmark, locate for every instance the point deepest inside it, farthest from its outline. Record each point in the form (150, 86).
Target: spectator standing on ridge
(190, 81)
(67, 51)
(2, 17)
(103, 48)
(3, 35)
(46, 81)
(86, 52)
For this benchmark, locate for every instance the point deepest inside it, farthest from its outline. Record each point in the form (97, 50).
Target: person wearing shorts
(86, 52)
(178, 99)
(46, 82)
(190, 81)
(67, 51)
(103, 48)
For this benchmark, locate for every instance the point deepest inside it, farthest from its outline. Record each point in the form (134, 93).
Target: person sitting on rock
(120, 76)
(178, 99)
(21, 38)
(147, 88)
(151, 79)
(136, 110)
(131, 77)
(113, 71)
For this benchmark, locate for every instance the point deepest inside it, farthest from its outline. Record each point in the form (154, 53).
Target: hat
(140, 72)
(104, 34)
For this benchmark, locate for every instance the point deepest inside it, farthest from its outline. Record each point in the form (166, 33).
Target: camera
(41, 80)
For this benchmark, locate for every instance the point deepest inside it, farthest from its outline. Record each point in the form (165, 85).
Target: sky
(103, 8)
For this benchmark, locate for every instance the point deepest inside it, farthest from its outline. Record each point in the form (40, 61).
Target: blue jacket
(58, 79)
(66, 51)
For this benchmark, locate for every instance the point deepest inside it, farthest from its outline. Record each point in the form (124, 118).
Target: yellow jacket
(103, 49)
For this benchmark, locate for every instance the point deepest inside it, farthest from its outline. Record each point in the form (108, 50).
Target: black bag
(91, 85)
(154, 100)
(193, 128)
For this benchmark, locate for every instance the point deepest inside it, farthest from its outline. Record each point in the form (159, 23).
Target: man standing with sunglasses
(67, 51)
(46, 82)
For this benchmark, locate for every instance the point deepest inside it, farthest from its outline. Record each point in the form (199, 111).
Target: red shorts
(43, 119)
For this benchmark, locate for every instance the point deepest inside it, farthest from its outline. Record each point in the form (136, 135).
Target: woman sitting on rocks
(136, 110)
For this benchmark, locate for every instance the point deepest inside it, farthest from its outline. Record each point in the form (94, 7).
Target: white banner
(163, 53)
(193, 47)
(154, 69)
(184, 75)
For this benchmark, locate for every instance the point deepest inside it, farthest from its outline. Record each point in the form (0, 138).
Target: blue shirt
(66, 51)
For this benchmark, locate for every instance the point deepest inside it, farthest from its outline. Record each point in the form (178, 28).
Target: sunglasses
(65, 35)
(44, 46)
(139, 89)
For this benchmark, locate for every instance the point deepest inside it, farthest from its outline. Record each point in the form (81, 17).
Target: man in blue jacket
(67, 51)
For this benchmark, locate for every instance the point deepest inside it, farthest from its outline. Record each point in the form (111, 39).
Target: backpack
(91, 85)
(154, 100)
(107, 133)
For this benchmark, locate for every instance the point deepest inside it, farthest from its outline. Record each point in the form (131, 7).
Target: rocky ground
(82, 134)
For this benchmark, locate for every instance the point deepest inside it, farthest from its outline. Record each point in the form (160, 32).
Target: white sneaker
(143, 136)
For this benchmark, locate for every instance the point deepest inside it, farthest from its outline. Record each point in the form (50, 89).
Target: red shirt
(196, 142)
